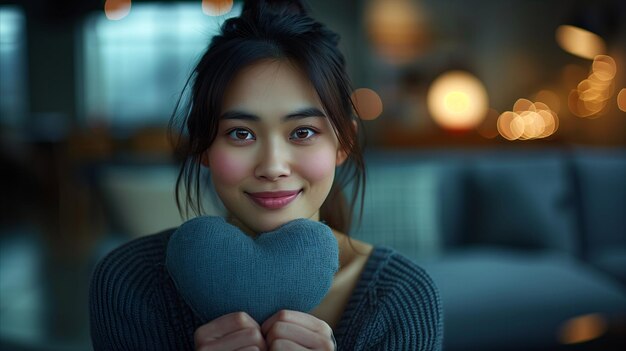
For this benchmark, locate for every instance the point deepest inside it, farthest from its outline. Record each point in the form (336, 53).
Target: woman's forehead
(276, 86)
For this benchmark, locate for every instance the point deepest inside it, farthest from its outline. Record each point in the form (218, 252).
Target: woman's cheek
(318, 165)
(227, 167)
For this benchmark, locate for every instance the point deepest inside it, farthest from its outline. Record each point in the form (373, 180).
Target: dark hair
(274, 30)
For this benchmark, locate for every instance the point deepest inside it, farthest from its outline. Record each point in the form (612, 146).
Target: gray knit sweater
(134, 305)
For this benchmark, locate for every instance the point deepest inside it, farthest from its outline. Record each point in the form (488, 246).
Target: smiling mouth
(266, 201)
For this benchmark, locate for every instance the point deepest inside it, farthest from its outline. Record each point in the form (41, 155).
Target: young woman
(270, 111)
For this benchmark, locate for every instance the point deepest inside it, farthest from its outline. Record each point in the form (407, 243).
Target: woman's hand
(233, 331)
(293, 330)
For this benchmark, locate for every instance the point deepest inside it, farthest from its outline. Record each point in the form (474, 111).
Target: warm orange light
(397, 29)
(117, 9)
(621, 100)
(550, 121)
(592, 90)
(522, 105)
(578, 107)
(533, 125)
(510, 125)
(528, 120)
(592, 94)
(549, 98)
(582, 328)
(580, 42)
(457, 100)
(216, 7)
(367, 103)
(604, 67)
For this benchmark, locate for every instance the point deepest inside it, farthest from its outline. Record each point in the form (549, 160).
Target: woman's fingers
(229, 332)
(300, 318)
(240, 339)
(286, 345)
(249, 348)
(224, 325)
(303, 329)
(304, 337)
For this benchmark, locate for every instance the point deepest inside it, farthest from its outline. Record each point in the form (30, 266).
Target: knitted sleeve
(125, 311)
(410, 314)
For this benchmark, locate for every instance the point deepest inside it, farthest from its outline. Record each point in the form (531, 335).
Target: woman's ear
(204, 159)
(342, 155)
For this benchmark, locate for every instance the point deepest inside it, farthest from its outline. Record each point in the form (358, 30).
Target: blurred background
(504, 122)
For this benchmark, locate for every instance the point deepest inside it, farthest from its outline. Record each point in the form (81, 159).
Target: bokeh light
(216, 7)
(510, 125)
(528, 120)
(367, 103)
(397, 29)
(591, 96)
(522, 105)
(115, 10)
(580, 42)
(550, 99)
(582, 328)
(621, 100)
(458, 101)
(604, 67)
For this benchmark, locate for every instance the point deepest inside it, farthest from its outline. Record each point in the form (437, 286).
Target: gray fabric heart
(218, 269)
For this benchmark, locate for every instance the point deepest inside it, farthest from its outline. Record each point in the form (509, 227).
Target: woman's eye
(240, 134)
(303, 133)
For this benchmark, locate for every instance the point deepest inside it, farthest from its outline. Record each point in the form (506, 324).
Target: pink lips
(274, 199)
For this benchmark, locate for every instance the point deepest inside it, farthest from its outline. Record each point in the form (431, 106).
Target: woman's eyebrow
(299, 114)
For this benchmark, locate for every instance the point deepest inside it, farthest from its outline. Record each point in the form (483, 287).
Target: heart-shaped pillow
(218, 269)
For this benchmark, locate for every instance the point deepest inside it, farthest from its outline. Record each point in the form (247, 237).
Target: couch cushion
(493, 296)
(602, 185)
(521, 201)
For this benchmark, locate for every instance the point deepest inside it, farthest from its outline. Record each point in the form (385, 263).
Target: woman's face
(273, 135)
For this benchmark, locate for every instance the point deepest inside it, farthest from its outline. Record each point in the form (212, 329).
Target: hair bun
(280, 7)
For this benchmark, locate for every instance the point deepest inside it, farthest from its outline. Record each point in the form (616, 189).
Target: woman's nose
(273, 162)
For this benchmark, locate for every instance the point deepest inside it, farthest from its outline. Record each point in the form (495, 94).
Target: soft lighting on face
(580, 42)
(582, 328)
(117, 9)
(216, 7)
(621, 100)
(367, 103)
(457, 100)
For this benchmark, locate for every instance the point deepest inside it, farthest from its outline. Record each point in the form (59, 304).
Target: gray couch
(527, 247)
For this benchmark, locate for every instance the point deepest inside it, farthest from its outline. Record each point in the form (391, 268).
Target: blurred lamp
(580, 42)
(621, 100)
(457, 101)
(397, 29)
(117, 9)
(591, 28)
(216, 7)
(582, 328)
(367, 103)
